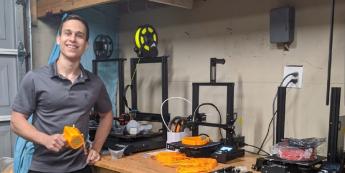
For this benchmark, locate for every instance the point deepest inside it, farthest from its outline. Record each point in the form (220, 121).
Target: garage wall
(43, 39)
(238, 31)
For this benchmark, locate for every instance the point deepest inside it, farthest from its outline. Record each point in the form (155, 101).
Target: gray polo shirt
(54, 103)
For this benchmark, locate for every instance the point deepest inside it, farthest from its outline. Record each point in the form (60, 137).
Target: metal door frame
(21, 11)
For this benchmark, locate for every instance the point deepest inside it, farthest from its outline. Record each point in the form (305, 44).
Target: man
(58, 95)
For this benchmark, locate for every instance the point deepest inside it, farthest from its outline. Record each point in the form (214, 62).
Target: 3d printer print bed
(297, 149)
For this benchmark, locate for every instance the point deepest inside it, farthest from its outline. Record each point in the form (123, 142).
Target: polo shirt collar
(54, 73)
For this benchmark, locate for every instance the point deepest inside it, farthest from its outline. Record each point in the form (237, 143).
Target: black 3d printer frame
(228, 126)
(142, 116)
(120, 67)
(143, 142)
(213, 149)
(272, 164)
(230, 139)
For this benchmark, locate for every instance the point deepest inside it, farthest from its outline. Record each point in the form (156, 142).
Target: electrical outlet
(288, 69)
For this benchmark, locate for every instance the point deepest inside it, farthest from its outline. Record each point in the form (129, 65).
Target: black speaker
(282, 25)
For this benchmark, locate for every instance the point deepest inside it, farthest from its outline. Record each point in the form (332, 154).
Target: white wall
(239, 32)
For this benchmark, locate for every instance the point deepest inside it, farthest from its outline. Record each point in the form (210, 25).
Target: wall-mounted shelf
(46, 7)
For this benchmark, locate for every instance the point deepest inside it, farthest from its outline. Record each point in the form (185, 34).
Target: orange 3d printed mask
(74, 138)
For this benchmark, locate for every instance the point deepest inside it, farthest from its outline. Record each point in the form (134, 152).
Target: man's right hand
(54, 142)
(21, 126)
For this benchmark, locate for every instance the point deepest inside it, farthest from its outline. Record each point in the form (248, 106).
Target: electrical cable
(135, 70)
(220, 115)
(170, 98)
(268, 130)
(295, 74)
(204, 134)
(128, 86)
(275, 99)
(269, 126)
(124, 97)
(267, 154)
(251, 152)
(275, 112)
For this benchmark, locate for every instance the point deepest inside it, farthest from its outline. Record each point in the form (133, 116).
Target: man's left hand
(92, 157)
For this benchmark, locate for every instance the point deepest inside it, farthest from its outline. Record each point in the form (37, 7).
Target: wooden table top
(144, 163)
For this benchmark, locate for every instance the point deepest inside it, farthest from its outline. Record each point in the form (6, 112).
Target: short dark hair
(75, 17)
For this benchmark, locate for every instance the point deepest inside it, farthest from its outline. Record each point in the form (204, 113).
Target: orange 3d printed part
(195, 140)
(186, 164)
(73, 137)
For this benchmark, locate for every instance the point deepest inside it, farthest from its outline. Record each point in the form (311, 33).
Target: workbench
(143, 163)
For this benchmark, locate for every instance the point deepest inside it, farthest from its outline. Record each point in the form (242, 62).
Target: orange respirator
(74, 138)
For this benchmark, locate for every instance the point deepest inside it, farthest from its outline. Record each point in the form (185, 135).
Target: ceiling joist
(188, 4)
(45, 7)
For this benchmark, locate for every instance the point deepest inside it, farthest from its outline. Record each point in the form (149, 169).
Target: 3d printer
(149, 140)
(229, 147)
(335, 154)
(127, 132)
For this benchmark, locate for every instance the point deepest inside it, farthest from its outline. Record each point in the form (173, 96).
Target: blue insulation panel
(101, 22)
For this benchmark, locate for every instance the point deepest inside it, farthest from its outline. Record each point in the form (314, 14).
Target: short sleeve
(103, 103)
(25, 100)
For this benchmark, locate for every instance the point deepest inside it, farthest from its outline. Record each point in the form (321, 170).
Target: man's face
(72, 40)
